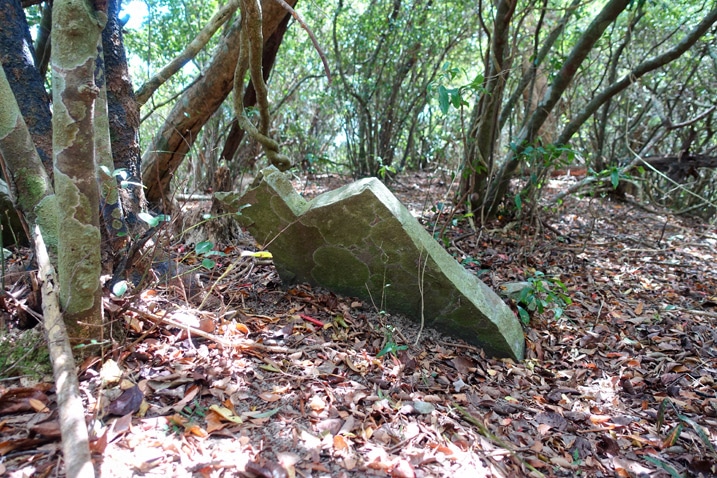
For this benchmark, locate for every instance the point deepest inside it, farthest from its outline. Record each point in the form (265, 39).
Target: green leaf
(456, 98)
(215, 253)
(204, 247)
(524, 315)
(120, 288)
(661, 464)
(518, 201)
(266, 414)
(699, 430)
(661, 413)
(477, 83)
(615, 178)
(525, 295)
(153, 221)
(208, 263)
(392, 348)
(443, 100)
(673, 435)
(126, 184)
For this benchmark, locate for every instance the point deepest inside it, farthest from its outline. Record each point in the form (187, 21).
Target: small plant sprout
(390, 346)
(153, 221)
(205, 249)
(541, 293)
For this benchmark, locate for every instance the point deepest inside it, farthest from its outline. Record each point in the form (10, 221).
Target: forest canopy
(421, 85)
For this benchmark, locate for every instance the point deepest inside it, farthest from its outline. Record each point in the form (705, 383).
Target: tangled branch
(251, 45)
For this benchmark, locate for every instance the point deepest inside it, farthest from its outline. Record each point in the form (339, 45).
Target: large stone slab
(359, 240)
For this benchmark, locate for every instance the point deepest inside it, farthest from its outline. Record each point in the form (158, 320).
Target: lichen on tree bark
(74, 48)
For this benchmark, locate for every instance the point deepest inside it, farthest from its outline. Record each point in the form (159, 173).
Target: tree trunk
(172, 143)
(75, 38)
(498, 186)
(115, 233)
(483, 136)
(123, 114)
(16, 56)
(23, 168)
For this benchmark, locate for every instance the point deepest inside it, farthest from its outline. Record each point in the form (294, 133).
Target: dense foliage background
(408, 79)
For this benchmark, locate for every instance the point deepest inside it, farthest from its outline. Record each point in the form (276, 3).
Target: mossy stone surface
(359, 240)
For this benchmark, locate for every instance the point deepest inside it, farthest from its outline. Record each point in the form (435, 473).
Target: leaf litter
(252, 379)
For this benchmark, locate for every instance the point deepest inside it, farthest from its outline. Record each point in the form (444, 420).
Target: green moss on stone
(338, 268)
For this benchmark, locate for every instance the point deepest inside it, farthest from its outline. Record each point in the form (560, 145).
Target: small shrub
(541, 293)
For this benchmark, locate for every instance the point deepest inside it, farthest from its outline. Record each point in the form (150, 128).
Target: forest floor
(252, 379)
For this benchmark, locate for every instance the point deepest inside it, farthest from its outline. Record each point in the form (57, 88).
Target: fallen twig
(700, 312)
(240, 343)
(483, 430)
(75, 440)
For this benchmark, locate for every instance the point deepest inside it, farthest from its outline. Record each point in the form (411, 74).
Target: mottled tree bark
(115, 233)
(483, 136)
(16, 56)
(75, 37)
(23, 167)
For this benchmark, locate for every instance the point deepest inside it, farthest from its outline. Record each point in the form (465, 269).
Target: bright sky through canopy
(137, 11)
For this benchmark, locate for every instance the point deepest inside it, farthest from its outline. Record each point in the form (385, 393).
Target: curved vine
(251, 45)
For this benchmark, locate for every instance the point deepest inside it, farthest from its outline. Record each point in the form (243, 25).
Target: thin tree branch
(250, 57)
(196, 45)
(303, 24)
(639, 71)
(537, 61)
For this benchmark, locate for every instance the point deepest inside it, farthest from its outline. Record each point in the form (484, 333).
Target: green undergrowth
(24, 354)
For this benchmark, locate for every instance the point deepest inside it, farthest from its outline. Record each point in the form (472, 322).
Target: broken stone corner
(359, 240)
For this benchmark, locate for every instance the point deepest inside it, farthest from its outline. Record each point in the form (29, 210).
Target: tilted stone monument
(359, 240)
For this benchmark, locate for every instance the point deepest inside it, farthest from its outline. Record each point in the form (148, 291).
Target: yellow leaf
(38, 406)
(225, 413)
(110, 372)
(196, 430)
(257, 254)
(543, 428)
(317, 403)
(270, 397)
(639, 308)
